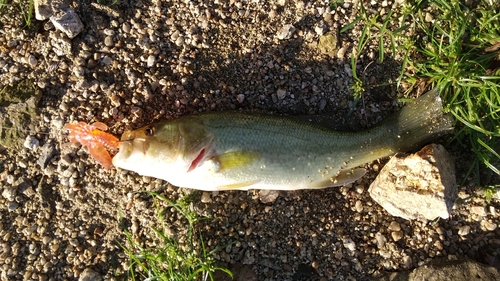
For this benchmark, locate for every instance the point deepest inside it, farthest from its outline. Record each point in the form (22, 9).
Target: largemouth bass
(236, 150)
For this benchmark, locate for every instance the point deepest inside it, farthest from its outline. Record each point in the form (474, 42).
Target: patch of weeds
(27, 8)
(107, 2)
(460, 53)
(334, 4)
(375, 28)
(490, 191)
(169, 260)
(3, 4)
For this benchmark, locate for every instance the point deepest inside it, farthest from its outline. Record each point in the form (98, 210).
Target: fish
(95, 139)
(239, 151)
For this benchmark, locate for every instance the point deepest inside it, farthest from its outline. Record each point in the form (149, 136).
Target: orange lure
(93, 137)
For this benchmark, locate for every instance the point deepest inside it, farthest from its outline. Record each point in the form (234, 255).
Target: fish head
(164, 149)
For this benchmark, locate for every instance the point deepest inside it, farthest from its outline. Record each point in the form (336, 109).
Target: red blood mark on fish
(197, 160)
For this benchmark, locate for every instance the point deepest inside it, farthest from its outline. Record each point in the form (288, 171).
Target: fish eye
(149, 131)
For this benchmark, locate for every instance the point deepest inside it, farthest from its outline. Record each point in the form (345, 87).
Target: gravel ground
(140, 61)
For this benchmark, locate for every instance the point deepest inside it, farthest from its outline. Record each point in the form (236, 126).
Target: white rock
(421, 186)
(320, 30)
(359, 206)
(90, 275)
(396, 235)
(381, 240)
(286, 32)
(67, 21)
(9, 193)
(43, 9)
(281, 93)
(79, 71)
(107, 60)
(31, 143)
(464, 230)
(349, 244)
(268, 196)
(394, 226)
(151, 61)
(32, 61)
(126, 27)
(240, 98)
(205, 197)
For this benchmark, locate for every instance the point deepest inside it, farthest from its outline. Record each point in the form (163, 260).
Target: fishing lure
(95, 139)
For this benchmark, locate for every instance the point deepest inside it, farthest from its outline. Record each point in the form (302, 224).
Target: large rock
(67, 21)
(448, 268)
(420, 186)
(61, 15)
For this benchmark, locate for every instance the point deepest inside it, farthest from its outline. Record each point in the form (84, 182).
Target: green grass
(27, 8)
(459, 53)
(461, 56)
(3, 5)
(107, 2)
(170, 260)
(375, 28)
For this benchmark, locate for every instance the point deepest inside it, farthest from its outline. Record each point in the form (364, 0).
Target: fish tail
(420, 122)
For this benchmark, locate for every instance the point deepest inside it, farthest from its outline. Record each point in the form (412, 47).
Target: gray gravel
(141, 61)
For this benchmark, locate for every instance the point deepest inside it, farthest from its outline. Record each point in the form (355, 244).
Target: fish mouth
(131, 148)
(128, 136)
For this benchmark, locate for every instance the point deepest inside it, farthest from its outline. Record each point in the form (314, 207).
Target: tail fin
(420, 122)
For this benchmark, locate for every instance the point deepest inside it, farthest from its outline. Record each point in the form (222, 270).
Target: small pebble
(108, 41)
(490, 226)
(349, 244)
(478, 210)
(9, 193)
(31, 143)
(240, 98)
(32, 61)
(359, 206)
(281, 93)
(14, 69)
(394, 226)
(79, 71)
(107, 60)
(286, 32)
(205, 197)
(109, 32)
(151, 61)
(12, 206)
(381, 240)
(396, 235)
(464, 230)
(268, 196)
(126, 27)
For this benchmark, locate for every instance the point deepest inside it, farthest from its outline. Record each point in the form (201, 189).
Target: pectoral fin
(342, 178)
(236, 159)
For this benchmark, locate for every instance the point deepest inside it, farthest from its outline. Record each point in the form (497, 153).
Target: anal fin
(342, 178)
(238, 186)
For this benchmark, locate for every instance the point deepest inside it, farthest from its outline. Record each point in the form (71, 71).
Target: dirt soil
(137, 62)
